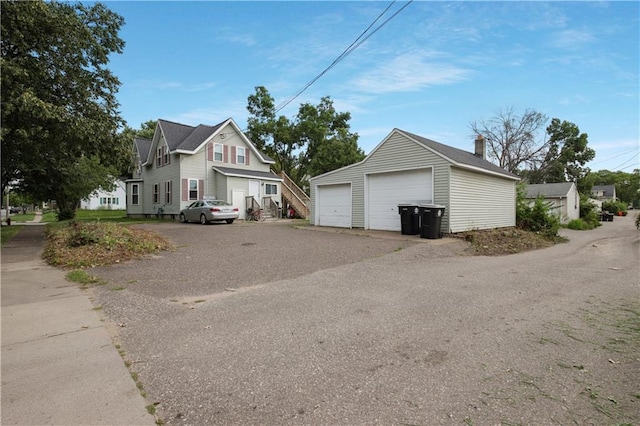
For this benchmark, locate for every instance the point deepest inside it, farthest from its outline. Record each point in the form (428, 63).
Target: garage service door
(334, 205)
(386, 190)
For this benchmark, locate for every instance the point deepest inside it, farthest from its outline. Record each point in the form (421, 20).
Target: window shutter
(164, 151)
(200, 189)
(226, 153)
(246, 156)
(233, 155)
(210, 151)
(185, 190)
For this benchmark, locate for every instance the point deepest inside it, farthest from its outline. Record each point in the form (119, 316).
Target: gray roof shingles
(552, 190)
(459, 156)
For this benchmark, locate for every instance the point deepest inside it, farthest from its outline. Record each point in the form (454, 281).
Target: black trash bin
(409, 219)
(431, 218)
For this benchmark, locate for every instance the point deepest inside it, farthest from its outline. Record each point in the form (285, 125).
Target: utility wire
(620, 167)
(353, 46)
(615, 156)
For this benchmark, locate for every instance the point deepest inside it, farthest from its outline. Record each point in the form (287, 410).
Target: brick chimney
(481, 147)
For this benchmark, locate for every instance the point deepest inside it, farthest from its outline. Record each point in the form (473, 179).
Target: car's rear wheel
(182, 218)
(229, 221)
(203, 219)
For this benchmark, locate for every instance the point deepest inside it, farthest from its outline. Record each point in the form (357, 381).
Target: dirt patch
(495, 242)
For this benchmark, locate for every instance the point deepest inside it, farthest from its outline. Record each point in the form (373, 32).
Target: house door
(254, 190)
(238, 200)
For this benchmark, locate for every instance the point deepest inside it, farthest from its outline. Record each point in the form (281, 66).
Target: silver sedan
(205, 211)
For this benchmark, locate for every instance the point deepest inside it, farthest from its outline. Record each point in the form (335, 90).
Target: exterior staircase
(294, 196)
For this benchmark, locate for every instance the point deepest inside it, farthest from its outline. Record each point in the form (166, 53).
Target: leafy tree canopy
(317, 140)
(565, 158)
(59, 112)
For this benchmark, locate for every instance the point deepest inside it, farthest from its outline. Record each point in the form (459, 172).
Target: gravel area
(271, 324)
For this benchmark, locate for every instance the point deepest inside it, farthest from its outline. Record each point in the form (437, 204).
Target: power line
(353, 46)
(616, 156)
(620, 167)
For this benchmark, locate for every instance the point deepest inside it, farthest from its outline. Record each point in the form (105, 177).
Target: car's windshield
(217, 203)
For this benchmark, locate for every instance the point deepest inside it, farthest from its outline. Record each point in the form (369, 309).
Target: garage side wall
(395, 154)
(480, 201)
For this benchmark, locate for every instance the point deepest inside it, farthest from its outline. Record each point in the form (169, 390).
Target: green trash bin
(409, 219)
(431, 218)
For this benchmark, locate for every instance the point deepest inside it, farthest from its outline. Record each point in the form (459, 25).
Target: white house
(184, 163)
(113, 200)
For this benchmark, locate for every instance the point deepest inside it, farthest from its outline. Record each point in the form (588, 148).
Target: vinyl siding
(231, 141)
(480, 201)
(159, 175)
(395, 154)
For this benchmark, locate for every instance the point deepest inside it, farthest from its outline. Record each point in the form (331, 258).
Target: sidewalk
(59, 364)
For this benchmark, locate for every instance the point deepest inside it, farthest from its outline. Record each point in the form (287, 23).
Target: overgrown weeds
(80, 245)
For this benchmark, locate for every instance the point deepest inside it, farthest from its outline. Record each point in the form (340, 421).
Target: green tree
(627, 184)
(316, 141)
(566, 156)
(59, 111)
(327, 137)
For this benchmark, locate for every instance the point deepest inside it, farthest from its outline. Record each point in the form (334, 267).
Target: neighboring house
(562, 198)
(184, 163)
(114, 200)
(405, 168)
(604, 193)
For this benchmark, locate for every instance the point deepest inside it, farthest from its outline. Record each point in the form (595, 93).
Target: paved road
(261, 324)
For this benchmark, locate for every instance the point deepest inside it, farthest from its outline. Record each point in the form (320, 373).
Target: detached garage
(407, 168)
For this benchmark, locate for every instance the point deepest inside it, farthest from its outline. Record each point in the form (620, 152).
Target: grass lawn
(8, 232)
(50, 217)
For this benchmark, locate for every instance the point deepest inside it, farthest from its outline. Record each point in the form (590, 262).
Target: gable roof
(455, 156)
(185, 139)
(142, 146)
(459, 157)
(607, 190)
(548, 190)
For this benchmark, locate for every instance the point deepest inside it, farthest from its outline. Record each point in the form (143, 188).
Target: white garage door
(386, 190)
(334, 205)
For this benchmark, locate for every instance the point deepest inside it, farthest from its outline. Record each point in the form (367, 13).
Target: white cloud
(407, 73)
(572, 39)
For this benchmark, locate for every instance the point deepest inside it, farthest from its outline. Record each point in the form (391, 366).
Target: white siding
(395, 154)
(480, 201)
(386, 190)
(334, 205)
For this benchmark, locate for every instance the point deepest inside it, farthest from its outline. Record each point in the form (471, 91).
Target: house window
(135, 199)
(159, 158)
(156, 197)
(167, 192)
(167, 156)
(239, 155)
(271, 189)
(217, 152)
(193, 189)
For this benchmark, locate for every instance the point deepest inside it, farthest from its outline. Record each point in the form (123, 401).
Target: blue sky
(431, 70)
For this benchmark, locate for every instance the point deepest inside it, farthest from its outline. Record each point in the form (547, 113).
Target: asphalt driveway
(269, 324)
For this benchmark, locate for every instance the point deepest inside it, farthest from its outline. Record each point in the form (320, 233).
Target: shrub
(581, 225)
(589, 213)
(536, 218)
(637, 220)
